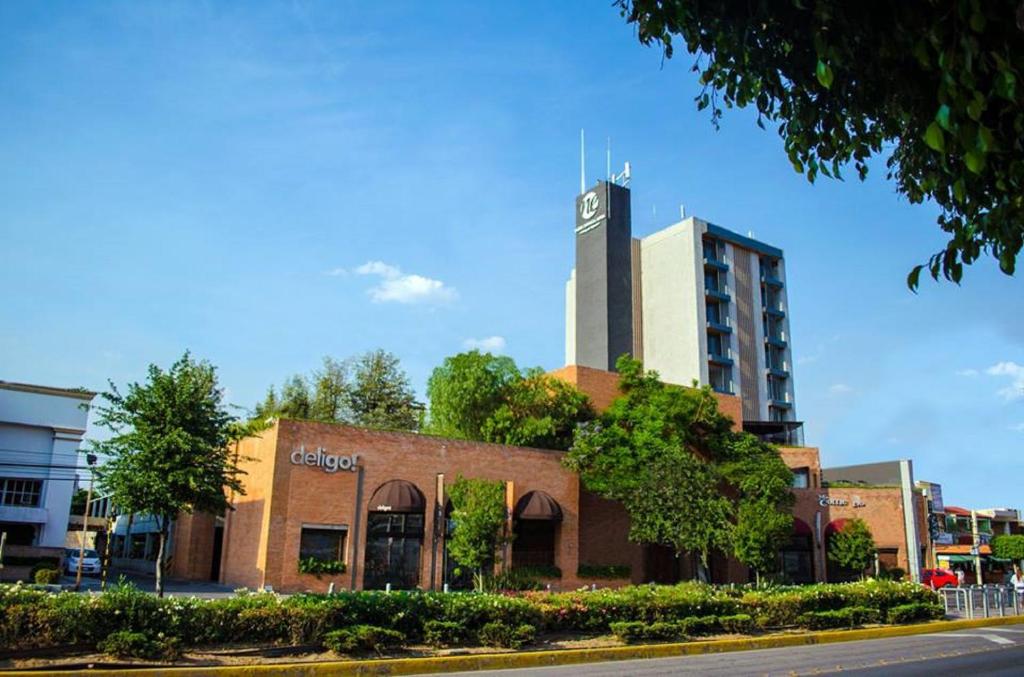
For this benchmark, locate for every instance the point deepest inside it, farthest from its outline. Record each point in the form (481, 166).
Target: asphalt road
(988, 651)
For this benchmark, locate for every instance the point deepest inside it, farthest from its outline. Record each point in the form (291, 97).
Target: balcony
(771, 280)
(781, 404)
(779, 371)
(719, 327)
(723, 360)
(776, 341)
(715, 263)
(721, 294)
(775, 312)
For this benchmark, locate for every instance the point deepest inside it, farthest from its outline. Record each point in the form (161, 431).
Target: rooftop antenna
(583, 163)
(682, 212)
(623, 178)
(608, 163)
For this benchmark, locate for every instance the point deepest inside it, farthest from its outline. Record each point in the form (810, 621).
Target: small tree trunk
(126, 547)
(757, 578)
(160, 557)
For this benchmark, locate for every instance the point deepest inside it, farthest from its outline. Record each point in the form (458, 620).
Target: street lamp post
(91, 460)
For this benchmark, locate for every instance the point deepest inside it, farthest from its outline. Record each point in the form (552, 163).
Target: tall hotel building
(695, 302)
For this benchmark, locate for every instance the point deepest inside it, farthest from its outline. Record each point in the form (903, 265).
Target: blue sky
(268, 183)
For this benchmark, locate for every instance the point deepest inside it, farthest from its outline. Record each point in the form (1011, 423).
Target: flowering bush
(32, 618)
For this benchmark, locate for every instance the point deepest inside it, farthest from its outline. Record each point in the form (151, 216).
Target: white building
(41, 429)
(694, 301)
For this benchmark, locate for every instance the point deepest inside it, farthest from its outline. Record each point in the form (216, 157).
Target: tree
(381, 396)
(655, 449)
(481, 524)
(371, 390)
(762, 482)
(937, 85)
(1007, 546)
(466, 390)
(853, 547)
(331, 398)
(169, 452)
(538, 411)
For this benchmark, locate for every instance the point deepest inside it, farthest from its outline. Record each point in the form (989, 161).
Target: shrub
(547, 571)
(128, 644)
(635, 631)
(701, 625)
(443, 633)
(839, 618)
(910, 613)
(47, 576)
(319, 567)
(893, 574)
(515, 580)
(363, 638)
(506, 636)
(740, 624)
(604, 571)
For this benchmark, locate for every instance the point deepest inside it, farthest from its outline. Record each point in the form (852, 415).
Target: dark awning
(801, 528)
(536, 505)
(397, 496)
(835, 526)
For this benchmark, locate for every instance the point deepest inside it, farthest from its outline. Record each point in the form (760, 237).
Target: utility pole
(976, 550)
(91, 460)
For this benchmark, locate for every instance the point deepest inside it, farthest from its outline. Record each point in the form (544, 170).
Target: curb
(537, 659)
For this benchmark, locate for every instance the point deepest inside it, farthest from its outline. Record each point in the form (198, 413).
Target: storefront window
(323, 543)
(393, 545)
(801, 478)
(534, 544)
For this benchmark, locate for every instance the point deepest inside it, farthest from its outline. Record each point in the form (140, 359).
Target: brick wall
(262, 535)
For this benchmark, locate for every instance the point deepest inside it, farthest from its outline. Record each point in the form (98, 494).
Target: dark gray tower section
(604, 281)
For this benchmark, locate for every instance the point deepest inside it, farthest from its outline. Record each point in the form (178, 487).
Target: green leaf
(977, 22)
(976, 106)
(824, 73)
(959, 190)
(985, 141)
(914, 278)
(934, 138)
(975, 161)
(942, 117)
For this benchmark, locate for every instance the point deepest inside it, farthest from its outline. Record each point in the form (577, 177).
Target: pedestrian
(1018, 581)
(959, 578)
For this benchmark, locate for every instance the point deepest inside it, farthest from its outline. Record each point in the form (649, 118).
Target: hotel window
(325, 543)
(718, 345)
(775, 357)
(720, 377)
(777, 389)
(714, 250)
(801, 478)
(769, 267)
(776, 414)
(20, 493)
(714, 313)
(773, 328)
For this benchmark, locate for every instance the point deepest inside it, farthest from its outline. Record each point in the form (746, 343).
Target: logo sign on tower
(330, 463)
(590, 210)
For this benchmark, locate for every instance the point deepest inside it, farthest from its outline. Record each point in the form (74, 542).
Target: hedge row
(34, 619)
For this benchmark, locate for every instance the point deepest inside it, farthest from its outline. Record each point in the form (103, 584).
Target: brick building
(376, 501)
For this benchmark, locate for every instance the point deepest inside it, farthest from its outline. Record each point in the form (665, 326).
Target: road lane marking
(992, 638)
(1003, 630)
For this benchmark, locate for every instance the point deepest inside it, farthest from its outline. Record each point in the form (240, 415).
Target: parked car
(90, 563)
(938, 578)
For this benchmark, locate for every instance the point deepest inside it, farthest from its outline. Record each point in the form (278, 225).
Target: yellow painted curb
(537, 659)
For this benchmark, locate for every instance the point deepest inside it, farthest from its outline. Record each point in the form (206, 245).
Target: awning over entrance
(801, 528)
(397, 496)
(536, 505)
(835, 526)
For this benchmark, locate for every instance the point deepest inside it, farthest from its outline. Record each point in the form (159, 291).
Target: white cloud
(839, 389)
(967, 372)
(335, 272)
(400, 287)
(491, 344)
(1016, 373)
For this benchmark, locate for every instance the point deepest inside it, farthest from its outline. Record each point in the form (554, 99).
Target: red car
(938, 578)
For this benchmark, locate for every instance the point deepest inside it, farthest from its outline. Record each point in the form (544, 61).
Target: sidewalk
(172, 588)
